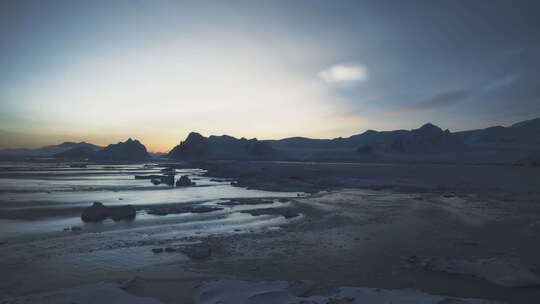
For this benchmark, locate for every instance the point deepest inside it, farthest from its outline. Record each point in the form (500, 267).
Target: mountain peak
(194, 136)
(429, 126)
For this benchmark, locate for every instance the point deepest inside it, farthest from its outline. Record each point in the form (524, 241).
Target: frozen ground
(429, 241)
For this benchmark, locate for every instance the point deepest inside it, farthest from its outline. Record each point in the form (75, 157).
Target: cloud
(344, 73)
(444, 99)
(501, 82)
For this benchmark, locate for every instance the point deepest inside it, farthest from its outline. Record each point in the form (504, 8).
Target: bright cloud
(344, 73)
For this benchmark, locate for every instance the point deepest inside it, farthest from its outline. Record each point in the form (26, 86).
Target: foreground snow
(279, 292)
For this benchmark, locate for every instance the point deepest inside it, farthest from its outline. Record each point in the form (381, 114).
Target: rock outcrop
(98, 212)
(184, 181)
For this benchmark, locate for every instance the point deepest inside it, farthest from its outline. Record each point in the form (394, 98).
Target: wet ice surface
(34, 187)
(47, 245)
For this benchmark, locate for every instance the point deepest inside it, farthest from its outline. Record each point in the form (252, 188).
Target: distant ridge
(427, 139)
(426, 143)
(495, 144)
(50, 150)
(524, 132)
(129, 150)
(197, 146)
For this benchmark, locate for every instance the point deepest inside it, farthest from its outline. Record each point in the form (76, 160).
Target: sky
(102, 71)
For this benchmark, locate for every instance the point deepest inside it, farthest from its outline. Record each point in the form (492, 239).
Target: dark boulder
(98, 212)
(184, 181)
(122, 212)
(94, 213)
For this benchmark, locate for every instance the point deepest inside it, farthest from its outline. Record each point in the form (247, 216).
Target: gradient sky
(103, 71)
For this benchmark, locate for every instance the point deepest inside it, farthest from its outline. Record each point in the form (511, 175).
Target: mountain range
(498, 144)
(48, 150)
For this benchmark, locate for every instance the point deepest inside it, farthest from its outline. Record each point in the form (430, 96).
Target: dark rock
(182, 209)
(170, 249)
(184, 181)
(76, 228)
(157, 250)
(96, 212)
(99, 212)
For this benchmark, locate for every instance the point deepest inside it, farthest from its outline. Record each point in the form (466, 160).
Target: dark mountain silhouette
(128, 150)
(77, 153)
(197, 146)
(50, 150)
(370, 137)
(427, 139)
(525, 132)
(427, 143)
